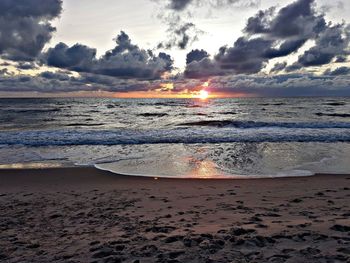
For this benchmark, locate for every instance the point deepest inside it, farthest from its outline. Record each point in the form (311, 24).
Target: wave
(290, 173)
(336, 103)
(32, 111)
(257, 124)
(228, 113)
(152, 114)
(84, 124)
(340, 115)
(172, 136)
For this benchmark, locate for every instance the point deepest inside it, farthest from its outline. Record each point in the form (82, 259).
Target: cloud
(78, 57)
(125, 60)
(338, 71)
(25, 27)
(31, 8)
(279, 66)
(246, 56)
(298, 19)
(3, 72)
(341, 59)
(279, 33)
(335, 5)
(181, 34)
(55, 75)
(202, 69)
(332, 42)
(254, 85)
(63, 82)
(181, 5)
(26, 65)
(196, 55)
(283, 85)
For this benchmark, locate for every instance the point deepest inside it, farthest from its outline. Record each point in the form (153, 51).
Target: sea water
(215, 138)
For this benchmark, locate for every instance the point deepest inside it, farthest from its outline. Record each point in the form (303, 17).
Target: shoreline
(88, 215)
(82, 173)
(57, 166)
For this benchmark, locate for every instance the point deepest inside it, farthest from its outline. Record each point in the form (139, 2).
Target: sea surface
(236, 138)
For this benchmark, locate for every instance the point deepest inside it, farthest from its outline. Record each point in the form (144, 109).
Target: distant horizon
(178, 98)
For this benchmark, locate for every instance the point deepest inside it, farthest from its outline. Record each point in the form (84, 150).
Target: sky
(174, 48)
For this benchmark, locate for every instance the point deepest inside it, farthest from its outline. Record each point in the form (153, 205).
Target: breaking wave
(247, 132)
(257, 124)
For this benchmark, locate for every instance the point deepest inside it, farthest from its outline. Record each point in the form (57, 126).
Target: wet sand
(87, 215)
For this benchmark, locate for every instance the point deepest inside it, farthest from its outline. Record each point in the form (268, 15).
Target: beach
(88, 215)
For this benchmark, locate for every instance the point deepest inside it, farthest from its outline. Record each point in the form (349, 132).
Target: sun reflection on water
(205, 169)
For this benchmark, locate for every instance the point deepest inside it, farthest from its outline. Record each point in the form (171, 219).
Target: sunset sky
(174, 48)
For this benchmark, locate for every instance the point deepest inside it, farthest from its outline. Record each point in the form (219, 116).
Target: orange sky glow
(176, 95)
(166, 90)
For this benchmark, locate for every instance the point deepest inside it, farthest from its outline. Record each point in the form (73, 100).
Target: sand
(87, 215)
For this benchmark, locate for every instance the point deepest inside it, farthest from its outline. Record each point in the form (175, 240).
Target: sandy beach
(87, 215)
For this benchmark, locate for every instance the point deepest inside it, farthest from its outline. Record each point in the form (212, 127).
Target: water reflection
(205, 169)
(242, 160)
(15, 166)
(234, 160)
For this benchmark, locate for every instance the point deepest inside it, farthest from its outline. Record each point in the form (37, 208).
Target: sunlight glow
(204, 169)
(203, 94)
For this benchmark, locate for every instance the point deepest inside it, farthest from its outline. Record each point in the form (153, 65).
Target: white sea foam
(292, 173)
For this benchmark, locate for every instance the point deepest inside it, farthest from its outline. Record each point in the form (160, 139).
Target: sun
(203, 94)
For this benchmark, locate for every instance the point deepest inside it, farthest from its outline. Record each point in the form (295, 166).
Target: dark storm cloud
(129, 61)
(341, 59)
(125, 60)
(332, 42)
(179, 5)
(54, 75)
(26, 65)
(196, 55)
(30, 8)
(25, 27)
(246, 55)
(123, 42)
(278, 33)
(202, 69)
(77, 57)
(298, 19)
(60, 82)
(338, 71)
(23, 83)
(279, 67)
(286, 48)
(292, 67)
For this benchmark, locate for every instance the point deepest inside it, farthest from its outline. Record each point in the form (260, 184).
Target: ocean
(215, 138)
